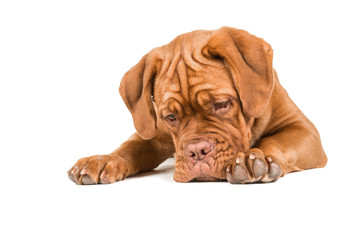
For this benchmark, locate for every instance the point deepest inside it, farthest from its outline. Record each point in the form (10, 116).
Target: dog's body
(213, 99)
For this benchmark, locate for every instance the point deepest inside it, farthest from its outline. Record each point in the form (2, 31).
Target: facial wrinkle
(183, 79)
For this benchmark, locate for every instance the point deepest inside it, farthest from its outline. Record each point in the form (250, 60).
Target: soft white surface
(60, 65)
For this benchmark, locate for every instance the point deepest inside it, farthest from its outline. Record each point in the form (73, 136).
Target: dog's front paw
(98, 169)
(253, 167)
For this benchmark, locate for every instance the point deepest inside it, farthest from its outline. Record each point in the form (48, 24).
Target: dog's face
(206, 88)
(203, 114)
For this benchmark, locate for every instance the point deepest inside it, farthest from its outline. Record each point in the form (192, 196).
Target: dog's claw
(253, 167)
(240, 173)
(259, 168)
(275, 171)
(103, 174)
(84, 171)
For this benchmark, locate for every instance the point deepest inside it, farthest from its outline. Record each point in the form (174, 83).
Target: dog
(213, 100)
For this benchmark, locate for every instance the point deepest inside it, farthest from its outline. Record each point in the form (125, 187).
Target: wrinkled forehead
(186, 75)
(185, 70)
(208, 82)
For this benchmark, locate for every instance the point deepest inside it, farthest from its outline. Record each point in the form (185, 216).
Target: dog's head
(206, 87)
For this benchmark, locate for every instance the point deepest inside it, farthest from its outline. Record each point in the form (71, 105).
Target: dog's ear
(136, 89)
(249, 60)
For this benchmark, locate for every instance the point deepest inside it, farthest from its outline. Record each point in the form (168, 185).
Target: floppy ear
(249, 60)
(136, 89)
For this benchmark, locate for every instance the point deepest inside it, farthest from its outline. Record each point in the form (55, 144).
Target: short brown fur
(215, 87)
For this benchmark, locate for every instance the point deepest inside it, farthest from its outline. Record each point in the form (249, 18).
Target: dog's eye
(221, 105)
(171, 117)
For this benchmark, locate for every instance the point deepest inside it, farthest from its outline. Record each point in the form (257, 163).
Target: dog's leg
(296, 146)
(293, 148)
(133, 156)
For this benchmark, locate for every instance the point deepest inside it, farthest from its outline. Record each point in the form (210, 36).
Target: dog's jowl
(213, 100)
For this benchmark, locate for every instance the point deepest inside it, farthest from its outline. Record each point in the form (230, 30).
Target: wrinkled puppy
(212, 99)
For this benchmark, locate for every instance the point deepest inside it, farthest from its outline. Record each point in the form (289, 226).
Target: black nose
(198, 150)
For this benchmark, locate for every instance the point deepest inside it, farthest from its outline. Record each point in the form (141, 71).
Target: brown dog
(213, 99)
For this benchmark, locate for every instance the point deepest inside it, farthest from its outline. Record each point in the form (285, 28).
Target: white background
(60, 67)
